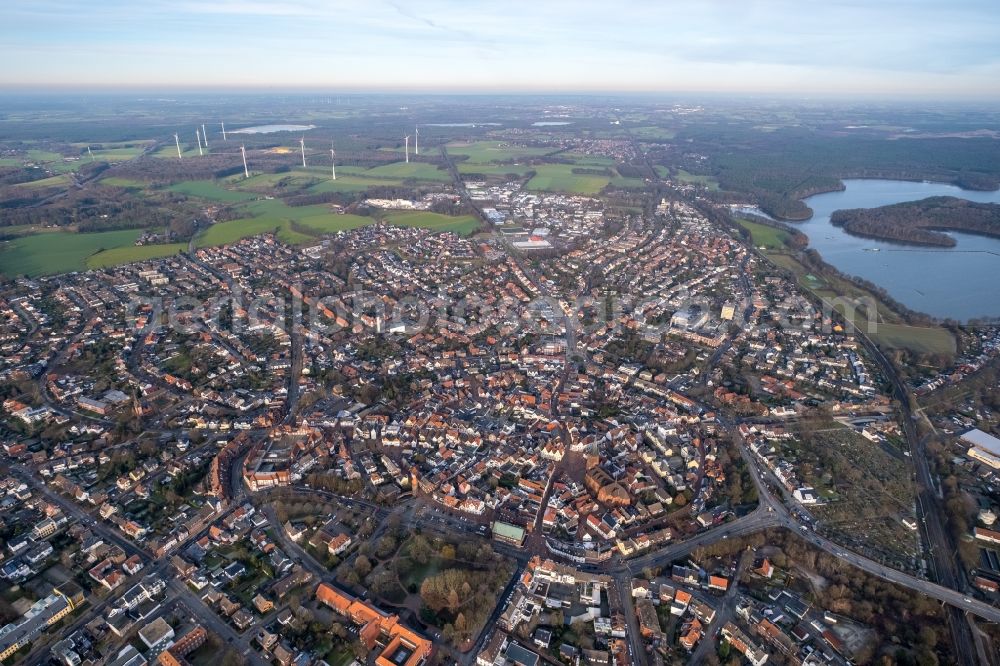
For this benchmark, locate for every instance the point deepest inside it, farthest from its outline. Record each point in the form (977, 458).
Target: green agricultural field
(460, 224)
(764, 236)
(266, 181)
(207, 189)
(275, 216)
(711, 183)
(28, 229)
(560, 178)
(484, 152)
(43, 156)
(589, 160)
(169, 150)
(116, 154)
(130, 254)
(53, 162)
(59, 252)
(413, 170)
(331, 223)
(10, 162)
(494, 169)
(918, 338)
(653, 133)
(350, 182)
(52, 181)
(225, 233)
(131, 183)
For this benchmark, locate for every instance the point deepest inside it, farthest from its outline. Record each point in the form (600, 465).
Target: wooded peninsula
(921, 222)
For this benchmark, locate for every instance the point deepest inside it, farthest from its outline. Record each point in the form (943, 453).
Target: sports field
(59, 252)
(132, 253)
(460, 224)
(207, 189)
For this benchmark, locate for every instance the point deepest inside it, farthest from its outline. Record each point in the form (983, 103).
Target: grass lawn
(420, 572)
(132, 253)
(207, 189)
(59, 252)
(463, 225)
(764, 236)
(484, 152)
(341, 656)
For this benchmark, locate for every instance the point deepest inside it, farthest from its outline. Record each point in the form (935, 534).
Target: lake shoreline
(945, 284)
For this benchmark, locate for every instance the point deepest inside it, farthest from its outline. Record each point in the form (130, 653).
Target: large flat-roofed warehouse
(983, 447)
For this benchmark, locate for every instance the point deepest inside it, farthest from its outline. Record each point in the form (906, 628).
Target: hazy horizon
(840, 48)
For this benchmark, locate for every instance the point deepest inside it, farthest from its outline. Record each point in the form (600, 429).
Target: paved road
(724, 612)
(73, 509)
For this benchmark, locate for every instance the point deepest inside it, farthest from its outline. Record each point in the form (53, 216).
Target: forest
(782, 167)
(920, 222)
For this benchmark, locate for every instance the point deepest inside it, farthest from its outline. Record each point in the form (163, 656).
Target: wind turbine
(246, 172)
(204, 135)
(197, 134)
(178, 142)
(90, 153)
(302, 146)
(416, 140)
(407, 139)
(333, 166)
(224, 131)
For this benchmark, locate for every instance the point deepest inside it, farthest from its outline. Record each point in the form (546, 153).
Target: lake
(271, 129)
(958, 282)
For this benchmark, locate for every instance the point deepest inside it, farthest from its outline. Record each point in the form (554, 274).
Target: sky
(936, 49)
